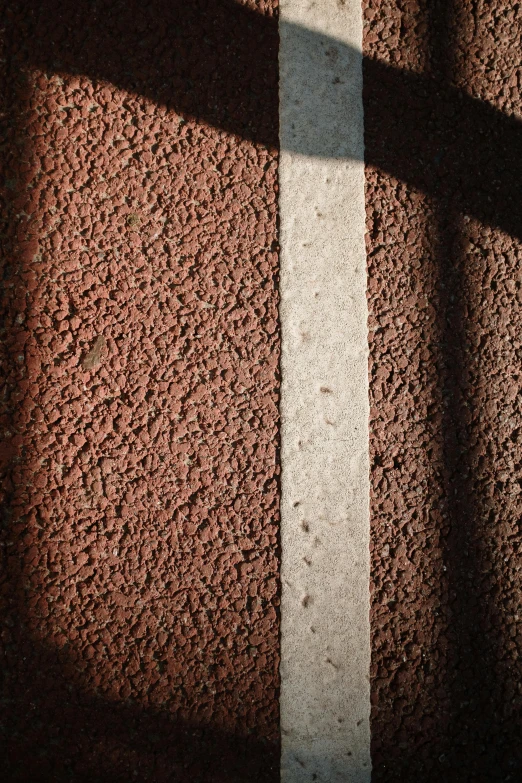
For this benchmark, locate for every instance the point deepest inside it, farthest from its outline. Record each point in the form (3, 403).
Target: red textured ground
(139, 413)
(139, 544)
(444, 151)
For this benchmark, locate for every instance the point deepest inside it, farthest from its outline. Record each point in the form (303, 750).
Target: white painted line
(325, 642)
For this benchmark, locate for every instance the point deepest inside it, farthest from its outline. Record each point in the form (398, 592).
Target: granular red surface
(444, 152)
(139, 585)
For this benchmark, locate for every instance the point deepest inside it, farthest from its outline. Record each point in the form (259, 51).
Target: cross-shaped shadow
(216, 61)
(469, 150)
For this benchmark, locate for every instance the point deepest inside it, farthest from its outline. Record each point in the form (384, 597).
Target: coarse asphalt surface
(140, 348)
(140, 545)
(444, 143)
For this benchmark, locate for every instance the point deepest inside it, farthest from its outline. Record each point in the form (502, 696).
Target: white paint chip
(325, 643)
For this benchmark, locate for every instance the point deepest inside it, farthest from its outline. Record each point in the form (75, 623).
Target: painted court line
(325, 641)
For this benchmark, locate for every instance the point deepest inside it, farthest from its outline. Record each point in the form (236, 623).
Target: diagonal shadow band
(479, 162)
(51, 727)
(89, 738)
(478, 166)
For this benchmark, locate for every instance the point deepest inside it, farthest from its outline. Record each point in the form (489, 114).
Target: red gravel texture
(444, 167)
(139, 406)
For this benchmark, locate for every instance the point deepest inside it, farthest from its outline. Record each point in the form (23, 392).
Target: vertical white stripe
(325, 644)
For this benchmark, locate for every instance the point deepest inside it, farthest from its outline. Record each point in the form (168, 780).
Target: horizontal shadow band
(190, 66)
